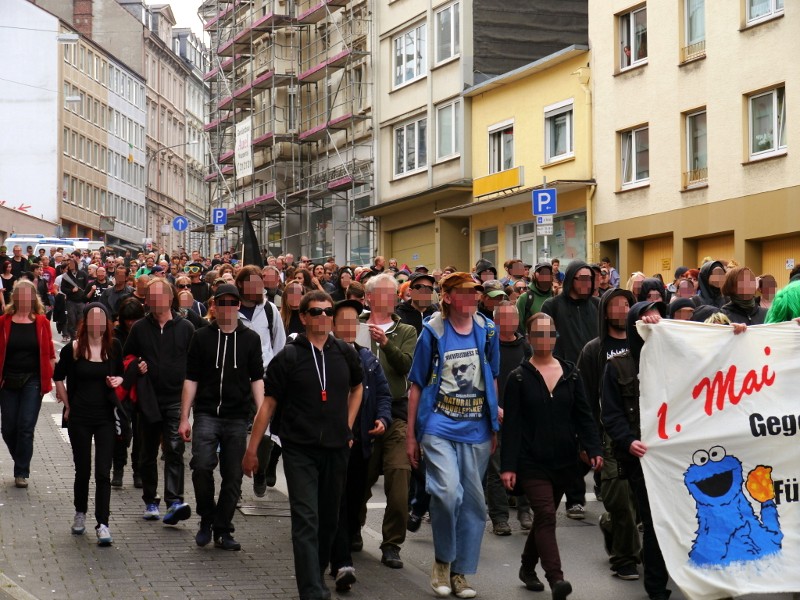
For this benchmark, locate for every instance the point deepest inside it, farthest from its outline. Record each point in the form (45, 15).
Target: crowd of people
(470, 392)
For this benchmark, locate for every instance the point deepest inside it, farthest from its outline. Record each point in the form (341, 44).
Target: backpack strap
(271, 322)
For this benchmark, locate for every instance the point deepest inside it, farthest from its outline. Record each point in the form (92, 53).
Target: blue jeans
(230, 436)
(458, 507)
(19, 411)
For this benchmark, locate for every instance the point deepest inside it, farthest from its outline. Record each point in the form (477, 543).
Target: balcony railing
(693, 51)
(696, 177)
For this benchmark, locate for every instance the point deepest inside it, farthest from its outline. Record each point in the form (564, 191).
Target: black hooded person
(650, 287)
(681, 309)
(712, 276)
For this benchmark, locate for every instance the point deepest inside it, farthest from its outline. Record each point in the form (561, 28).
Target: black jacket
(224, 365)
(411, 316)
(79, 278)
(737, 314)
(575, 320)
(512, 355)
(539, 428)
(164, 351)
(708, 294)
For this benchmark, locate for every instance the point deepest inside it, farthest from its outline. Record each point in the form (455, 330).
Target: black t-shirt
(613, 346)
(18, 268)
(22, 352)
(200, 291)
(91, 399)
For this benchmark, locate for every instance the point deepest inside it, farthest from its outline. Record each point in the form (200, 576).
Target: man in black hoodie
(160, 341)
(575, 314)
(224, 377)
(618, 524)
(620, 416)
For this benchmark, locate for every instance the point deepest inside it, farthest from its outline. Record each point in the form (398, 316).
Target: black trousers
(121, 446)
(151, 434)
(315, 477)
(349, 509)
(81, 433)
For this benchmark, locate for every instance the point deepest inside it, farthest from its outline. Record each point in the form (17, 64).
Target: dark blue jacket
(376, 402)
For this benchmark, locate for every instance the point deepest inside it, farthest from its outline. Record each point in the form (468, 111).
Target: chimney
(82, 17)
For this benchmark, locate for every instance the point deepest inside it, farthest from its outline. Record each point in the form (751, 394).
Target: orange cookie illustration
(759, 483)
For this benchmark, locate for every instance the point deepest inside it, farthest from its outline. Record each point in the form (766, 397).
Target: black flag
(251, 253)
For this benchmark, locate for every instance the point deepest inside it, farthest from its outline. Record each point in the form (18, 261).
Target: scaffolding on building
(300, 72)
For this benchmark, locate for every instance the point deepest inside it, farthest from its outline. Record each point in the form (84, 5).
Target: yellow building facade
(531, 128)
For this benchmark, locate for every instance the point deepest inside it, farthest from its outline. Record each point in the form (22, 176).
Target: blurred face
(462, 301)
(345, 280)
(293, 294)
(683, 314)
(582, 283)
(685, 288)
(24, 299)
(316, 322)
(422, 292)
(746, 284)
(717, 277)
(96, 323)
(345, 325)
(654, 296)
(382, 298)
(507, 320)
(253, 288)
(227, 310)
(617, 312)
(637, 285)
(159, 298)
(768, 289)
(271, 279)
(517, 269)
(544, 279)
(542, 335)
(487, 275)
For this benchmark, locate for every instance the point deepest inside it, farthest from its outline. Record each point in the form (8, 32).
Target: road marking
(61, 430)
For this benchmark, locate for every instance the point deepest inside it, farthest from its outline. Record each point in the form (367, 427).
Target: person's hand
(509, 479)
(412, 451)
(584, 457)
(185, 430)
(113, 382)
(500, 414)
(379, 428)
(378, 335)
(597, 463)
(249, 463)
(74, 290)
(66, 412)
(142, 367)
(651, 319)
(739, 328)
(637, 448)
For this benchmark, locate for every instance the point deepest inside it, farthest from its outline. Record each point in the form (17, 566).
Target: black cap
(659, 306)
(680, 272)
(354, 304)
(543, 265)
(420, 268)
(227, 289)
(99, 305)
(418, 276)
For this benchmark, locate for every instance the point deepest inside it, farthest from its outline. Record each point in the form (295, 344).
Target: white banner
(720, 415)
(244, 148)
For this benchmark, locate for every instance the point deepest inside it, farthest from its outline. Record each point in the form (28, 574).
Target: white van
(65, 245)
(24, 240)
(85, 244)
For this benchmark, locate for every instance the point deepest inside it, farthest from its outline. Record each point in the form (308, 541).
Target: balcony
(318, 11)
(693, 51)
(695, 178)
(320, 71)
(224, 66)
(317, 133)
(226, 171)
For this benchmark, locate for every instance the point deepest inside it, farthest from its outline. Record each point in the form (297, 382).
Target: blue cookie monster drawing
(728, 530)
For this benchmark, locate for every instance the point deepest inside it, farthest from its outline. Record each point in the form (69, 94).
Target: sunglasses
(603, 272)
(422, 286)
(227, 302)
(183, 286)
(193, 269)
(316, 311)
(543, 334)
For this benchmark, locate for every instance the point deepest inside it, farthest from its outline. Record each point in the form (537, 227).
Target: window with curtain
(633, 37)
(761, 9)
(410, 147)
(768, 122)
(635, 155)
(410, 55)
(695, 22)
(501, 149)
(558, 131)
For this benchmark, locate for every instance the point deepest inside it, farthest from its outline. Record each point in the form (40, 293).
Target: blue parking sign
(219, 216)
(544, 201)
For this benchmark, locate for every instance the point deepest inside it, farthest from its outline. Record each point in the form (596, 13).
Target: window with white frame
(694, 27)
(696, 147)
(633, 38)
(410, 55)
(410, 147)
(448, 130)
(635, 155)
(768, 122)
(558, 131)
(448, 42)
(501, 147)
(763, 9)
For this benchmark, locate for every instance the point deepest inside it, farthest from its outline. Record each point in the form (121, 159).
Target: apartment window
(448, 130)
(82, 58)
(410, 55)
(65, 142)
(90, 64)
(501, 148)
(488, 244)
(81, 143)
(635, 155)
(696, 148)
(633, 38)
(410, 143)
(74, 145)
(694, 28)
(762, 9)
(558, 131)
(447, 33)
(768, 122)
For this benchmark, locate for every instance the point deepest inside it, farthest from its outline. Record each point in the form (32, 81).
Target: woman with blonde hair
(27, 360)
(634, 283)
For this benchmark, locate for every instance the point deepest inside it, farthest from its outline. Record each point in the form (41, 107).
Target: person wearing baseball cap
(453, 419)
(421, 304)
(493, 294)
(539, 289)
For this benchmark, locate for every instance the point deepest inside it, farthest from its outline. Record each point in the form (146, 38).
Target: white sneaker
(103, 535)
(79, 523)
(576, 511)
(440, 579)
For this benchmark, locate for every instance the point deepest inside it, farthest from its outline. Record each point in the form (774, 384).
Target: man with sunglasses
(199, 288)
(421, 305)
(316, 382)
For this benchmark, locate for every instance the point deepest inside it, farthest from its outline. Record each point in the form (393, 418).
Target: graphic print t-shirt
(460, 413)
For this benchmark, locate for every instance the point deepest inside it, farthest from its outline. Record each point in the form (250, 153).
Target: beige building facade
(696, 106)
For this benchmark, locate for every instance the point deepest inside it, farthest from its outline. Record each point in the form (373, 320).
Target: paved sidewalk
(39, 558)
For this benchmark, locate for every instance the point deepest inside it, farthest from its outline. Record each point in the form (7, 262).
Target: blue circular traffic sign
(180, 223)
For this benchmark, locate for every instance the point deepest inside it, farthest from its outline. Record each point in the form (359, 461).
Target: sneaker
(525, 519)
(259, 485)
(116, 479)
(345, 579)
(178, 511)
(530, 579)
(226, 542)
(460, 586)
(79, 523)
(103, 535)
(414, 522)
(20, 482)
(440, 579)
(391, 557)
(137, 481)
(151, 512)
(357, 544)
(203, 537)
(501, 528)
(576, 511)
(561, 589)
(627, 572)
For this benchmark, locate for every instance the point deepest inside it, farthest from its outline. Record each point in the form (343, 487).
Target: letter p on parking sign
(544, 201)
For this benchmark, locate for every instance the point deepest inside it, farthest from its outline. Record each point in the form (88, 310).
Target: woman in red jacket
(27, 358)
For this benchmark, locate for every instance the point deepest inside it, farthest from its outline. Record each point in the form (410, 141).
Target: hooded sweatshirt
(576, 320)
(224, 365)
(526, 308)
(651, 284)
(709, 295)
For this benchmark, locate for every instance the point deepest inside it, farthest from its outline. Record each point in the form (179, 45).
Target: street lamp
(148, 163)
